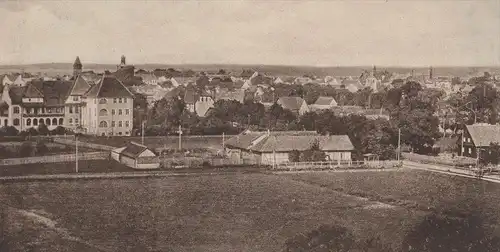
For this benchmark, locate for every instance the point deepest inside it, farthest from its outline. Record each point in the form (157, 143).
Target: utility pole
(76, 153)
(223, 144)
(399, 143)
(142, 133)
(180, 136)
(462, 141)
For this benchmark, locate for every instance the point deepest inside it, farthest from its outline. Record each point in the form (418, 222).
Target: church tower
(123, 63)
(430, 73)
(77, 67)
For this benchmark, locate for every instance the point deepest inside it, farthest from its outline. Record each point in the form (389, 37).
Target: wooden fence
(55, 158)
(338, 165)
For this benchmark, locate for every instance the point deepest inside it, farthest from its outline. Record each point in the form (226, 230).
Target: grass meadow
(231, 212)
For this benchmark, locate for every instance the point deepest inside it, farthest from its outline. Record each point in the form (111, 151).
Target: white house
(324, 102)
(136, 156)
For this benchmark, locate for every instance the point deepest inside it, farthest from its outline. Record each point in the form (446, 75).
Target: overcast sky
(318, 33)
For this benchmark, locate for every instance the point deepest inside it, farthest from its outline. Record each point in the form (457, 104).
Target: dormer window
(75, 98)
(103, 101)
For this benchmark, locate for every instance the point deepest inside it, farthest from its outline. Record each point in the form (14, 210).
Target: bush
(9, 131)
(43, 130)
(26, 149)
(29, 132)
(60, 130)
(41, 148)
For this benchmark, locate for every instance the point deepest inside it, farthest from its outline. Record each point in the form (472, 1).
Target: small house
(295, 104)
(136, 156)
(478, 137)
(324, 102)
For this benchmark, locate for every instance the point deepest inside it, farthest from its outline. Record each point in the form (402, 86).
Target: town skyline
(385, 34)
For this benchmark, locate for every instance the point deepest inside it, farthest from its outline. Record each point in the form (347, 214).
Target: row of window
(104, 124)
(104, 112)
(17, 110)
(35, 121)
(73, 108)
(115, 100)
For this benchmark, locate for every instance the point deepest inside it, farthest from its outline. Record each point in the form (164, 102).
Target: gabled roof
(109, 86)
(484, 134)
(285, 141)
(133, 150)
(291, 102)
(80, 86)
(54, 92)
(16, 94)
(32, 92)
(237, 95)
(325, 100)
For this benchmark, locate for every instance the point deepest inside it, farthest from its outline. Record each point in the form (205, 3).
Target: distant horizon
(256, 64)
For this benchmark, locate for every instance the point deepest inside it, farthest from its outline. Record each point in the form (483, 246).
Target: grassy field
(84, 166)
(236, 212)
(188, 142)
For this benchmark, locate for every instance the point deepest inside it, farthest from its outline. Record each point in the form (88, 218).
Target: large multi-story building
(104, 108)
(108, 108)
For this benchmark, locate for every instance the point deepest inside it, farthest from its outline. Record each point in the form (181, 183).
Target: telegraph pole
(180, 136)
(462, 141)
(76, 153)
(223, 143)
(399, 143)
(142, 133)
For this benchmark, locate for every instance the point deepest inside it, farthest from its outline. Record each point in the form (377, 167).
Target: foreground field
(237, 212)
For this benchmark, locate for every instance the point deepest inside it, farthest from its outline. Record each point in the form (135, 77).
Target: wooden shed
(136, 156)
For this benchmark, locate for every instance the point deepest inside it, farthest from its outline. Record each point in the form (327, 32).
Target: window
(28, 110)
(75, 98)
(103, 124)
(470, 150)
(112, 112)
(49, 110)
(54, 121)
(35, 122)
(124, 100)
(103, 112)
(103, 101)
(119, 123)
(71, 109)
(61, 121)
(127, 111)
(119, 133)
(47, 122)
(76, 120)
(5, 122)
(16, 110)
(119, 112)
(114, 100)
(16, 122)
(28, 122)
(35, 111)
(112, 123)
(71, 121)
(127, 124)
(119, 100)
(127, 133)
(76, 109)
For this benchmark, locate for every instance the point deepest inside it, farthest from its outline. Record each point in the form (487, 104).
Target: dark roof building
(109, 86)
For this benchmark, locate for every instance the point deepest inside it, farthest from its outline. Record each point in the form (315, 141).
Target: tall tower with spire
(77, 67)
(430, 73)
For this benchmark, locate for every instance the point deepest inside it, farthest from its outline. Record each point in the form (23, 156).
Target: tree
(41, 148)
(26, 149)
(294, 156)
(59, 130)
(313, 154)
(43, 130)
(9, 131)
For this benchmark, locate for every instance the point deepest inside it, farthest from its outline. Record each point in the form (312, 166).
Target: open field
(235, 212)
(188, 142)
(84, 166)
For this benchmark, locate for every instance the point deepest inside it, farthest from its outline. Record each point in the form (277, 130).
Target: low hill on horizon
(67, 68)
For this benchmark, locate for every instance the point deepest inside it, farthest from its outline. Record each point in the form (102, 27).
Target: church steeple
(430, 73)
(77, 67)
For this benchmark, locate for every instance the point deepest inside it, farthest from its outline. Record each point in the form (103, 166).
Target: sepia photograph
(250, 125)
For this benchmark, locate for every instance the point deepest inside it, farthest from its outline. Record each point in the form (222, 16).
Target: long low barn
(275, 147)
